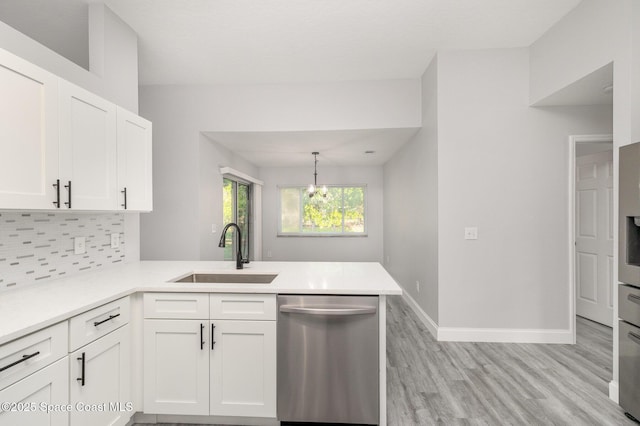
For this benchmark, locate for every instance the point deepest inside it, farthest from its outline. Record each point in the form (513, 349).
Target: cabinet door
(104, 380)
(87, 149)
(134, 162)
(243, 368)
(176, 367)
(28, 135)
(37, 392)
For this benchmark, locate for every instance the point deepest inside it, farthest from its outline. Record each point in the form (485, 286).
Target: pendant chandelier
(313, 187)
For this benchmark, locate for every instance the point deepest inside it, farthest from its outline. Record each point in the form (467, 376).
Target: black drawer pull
(201, 336)
(97, 323)
(125, 198)
(57, 187)
(81, 378)
(68, 203)
(21, 360)
(633, 298)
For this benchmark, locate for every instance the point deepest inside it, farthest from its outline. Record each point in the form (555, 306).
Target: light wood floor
(446, 383)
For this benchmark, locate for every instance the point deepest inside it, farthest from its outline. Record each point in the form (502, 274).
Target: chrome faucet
(239, 259)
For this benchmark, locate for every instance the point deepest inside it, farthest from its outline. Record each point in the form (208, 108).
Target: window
(341, 212)
(236, 207)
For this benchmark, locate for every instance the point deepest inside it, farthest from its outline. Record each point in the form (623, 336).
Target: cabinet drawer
(176, 305)
(87, 327)
(37, 349)
(243, 306)
(629, 304)
(49, 386)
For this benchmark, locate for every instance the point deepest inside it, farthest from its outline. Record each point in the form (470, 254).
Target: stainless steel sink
(228, 278)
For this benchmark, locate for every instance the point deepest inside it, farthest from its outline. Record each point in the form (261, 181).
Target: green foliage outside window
(342, 211)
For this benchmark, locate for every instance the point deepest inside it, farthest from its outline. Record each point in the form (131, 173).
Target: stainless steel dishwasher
(328, 359)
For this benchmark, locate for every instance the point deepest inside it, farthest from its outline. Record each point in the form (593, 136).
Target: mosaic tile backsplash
(38, 246)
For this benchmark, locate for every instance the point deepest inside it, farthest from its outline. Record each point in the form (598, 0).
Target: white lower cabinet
(176, 367)
(99, 377)
(215, 367)
(40, 399)
(243, 372)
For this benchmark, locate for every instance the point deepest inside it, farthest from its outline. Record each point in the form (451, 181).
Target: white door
(594, 237)
(42, 389)
(176, 367)
(243, 368)
(100, 374)
(28, 135)
(87, 149)
(134, 162)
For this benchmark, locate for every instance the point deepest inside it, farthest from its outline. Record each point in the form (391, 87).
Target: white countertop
(24, 310)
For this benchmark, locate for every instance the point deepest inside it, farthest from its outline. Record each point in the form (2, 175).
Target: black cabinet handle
(57, 187)
(97, 323)
(201, 336)
(21, 360)
(213, 342)
(124, 191)
(68, 203)
(81, 378)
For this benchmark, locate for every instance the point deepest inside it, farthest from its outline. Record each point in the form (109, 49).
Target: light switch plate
(79, 245)
(115, 241)
(471, 233)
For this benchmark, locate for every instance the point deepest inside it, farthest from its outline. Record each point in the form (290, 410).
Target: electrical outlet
(418, 286)
(115, 241)
(471, 233)
(214, 228)
(269, 254)
(79, 245)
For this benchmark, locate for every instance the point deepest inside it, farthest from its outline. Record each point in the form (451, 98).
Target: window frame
(303, 188)
(236, 181)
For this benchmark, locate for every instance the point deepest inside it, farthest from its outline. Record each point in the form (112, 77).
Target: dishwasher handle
(328, 310)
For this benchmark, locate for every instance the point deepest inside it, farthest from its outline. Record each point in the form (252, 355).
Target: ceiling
(294, 41)
(336, 147)
(275, 41)
(269, 41)
(595, 88)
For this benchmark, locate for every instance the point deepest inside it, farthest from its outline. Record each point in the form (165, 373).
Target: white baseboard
(504, 335)
(614, 392)
(422, 315)
(498, 335)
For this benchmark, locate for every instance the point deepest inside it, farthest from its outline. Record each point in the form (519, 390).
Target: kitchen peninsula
(143, 299)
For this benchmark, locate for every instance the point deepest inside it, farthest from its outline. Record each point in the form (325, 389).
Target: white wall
(411, 205)
(346, 249)
(503, 167)
(113, 53)
(586, 39)
(180, 225)
(596, 32)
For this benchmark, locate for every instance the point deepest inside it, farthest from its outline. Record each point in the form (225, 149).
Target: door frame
(574, 140)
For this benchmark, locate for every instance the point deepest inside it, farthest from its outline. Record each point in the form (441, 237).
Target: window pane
(228, 215)
(323, 214)
(342, 211)
(290, 209)
(354, 209)
(243, 216)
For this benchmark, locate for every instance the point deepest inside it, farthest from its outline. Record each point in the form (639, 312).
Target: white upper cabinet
(88, 158)
(134, 162)
(63, 147)
(28, 135)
